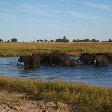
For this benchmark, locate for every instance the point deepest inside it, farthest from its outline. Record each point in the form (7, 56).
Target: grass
(81, 97)
(71, 48)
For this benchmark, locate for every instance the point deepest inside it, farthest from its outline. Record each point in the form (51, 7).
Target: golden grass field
(72, 48)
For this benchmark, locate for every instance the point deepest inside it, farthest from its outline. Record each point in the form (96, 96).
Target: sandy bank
(15, 102)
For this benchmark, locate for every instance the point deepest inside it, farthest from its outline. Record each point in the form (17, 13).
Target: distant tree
(93, 40)
(45, 40)
(65, 39)
(13, 40)
(110, 40)
(97, 40)
(59, 40)
(41, 40)
(8, 40)
(74, 40)
(38, 40)
(78, 40)
(51, 41)
(1, 40)
(86, 40)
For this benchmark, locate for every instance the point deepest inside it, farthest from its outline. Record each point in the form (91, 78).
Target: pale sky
(30, 20)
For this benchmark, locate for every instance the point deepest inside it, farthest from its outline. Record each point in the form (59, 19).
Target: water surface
(101, 76)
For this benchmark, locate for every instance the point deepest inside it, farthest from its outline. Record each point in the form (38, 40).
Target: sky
(31, 20)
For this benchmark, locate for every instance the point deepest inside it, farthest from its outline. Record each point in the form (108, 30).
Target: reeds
(81, 97)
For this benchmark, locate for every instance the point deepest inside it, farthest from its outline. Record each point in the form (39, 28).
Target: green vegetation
(80, 97)
(72, 48)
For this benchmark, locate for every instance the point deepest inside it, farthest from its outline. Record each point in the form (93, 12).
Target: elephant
(109, 56)
(57, 59)
(20, 60)
(29, 61)
(69, 63)
(51, 59)
(101, 60)
(87, 58)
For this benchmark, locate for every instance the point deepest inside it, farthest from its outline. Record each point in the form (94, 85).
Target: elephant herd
(51, 59)
(98, 59)
(64, 60)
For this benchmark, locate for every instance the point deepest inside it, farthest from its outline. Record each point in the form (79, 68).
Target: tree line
(64, 39)
(12, 40)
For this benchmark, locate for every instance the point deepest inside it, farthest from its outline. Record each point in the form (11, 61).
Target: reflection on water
(101, 76)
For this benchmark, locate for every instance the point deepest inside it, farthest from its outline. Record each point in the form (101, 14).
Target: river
(100, 76)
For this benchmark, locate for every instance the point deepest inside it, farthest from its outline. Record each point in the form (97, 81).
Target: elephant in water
(51, 59)
(29, 61)
(87, 58)
(69, 63)
(101, 60)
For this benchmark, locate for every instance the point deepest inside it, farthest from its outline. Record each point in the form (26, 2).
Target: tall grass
(72, 48)
(81, 98)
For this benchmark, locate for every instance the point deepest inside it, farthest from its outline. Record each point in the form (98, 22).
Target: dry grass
(80, 97)
(23, 48)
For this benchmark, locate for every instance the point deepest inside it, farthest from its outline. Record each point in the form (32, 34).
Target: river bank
(16, 102)
(76, 97)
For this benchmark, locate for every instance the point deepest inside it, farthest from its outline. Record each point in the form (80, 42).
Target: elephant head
(101, 60)
(87, 58)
